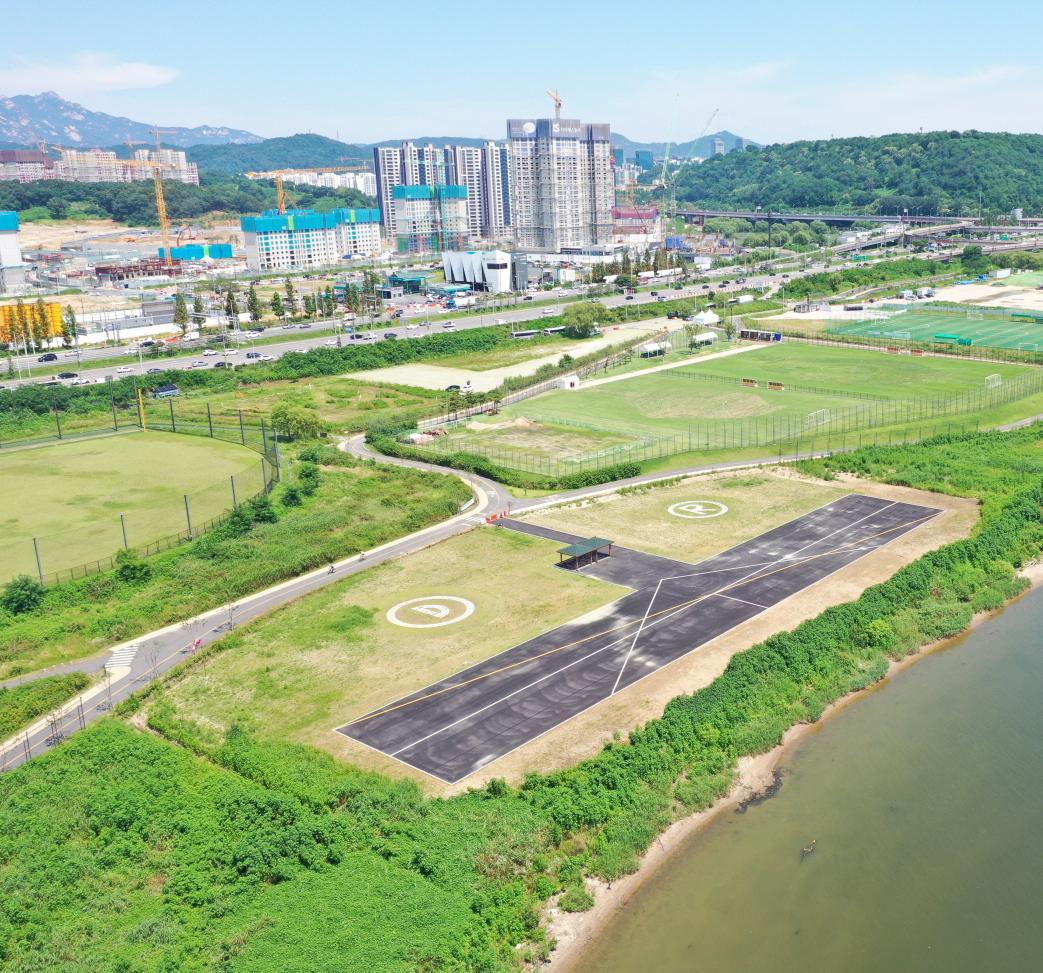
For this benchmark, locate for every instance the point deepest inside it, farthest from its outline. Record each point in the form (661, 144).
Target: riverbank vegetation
(122, 851)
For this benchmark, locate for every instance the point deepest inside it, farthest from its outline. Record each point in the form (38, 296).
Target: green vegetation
(355, 507)
(834, 281)
(929, 172)
(21, 705)
(121, 851)
(135, 202)
(295, 151)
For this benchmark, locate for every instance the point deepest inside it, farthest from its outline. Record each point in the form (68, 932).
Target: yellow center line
(684, 604)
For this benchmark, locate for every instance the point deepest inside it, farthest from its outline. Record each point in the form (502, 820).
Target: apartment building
(12, 270)
(429, 218)
(364, 182)
(561, 183)
(306, 239)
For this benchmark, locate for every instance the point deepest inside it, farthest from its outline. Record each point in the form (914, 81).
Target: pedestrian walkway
(121, 657)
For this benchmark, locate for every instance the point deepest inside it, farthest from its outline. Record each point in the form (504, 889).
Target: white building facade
(561, 183)
(307, 239)
(484, 271)
(12, 270)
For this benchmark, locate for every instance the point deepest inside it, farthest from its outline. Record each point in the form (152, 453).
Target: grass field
(756, 500)
(988, 332)
(333, 655)
(70, 495)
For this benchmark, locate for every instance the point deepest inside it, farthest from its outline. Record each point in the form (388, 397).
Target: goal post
(1027, 346)
(975, 316)
(991, 381)
(818, 418)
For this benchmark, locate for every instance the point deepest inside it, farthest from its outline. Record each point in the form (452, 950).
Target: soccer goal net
(991, 381)
(818, 418)
(1026, 346)
(975, 316)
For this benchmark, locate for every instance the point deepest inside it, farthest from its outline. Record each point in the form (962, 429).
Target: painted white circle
(430, 605)
(528, 128)
(698, 509)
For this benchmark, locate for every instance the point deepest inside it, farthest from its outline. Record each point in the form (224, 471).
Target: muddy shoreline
(758, 779)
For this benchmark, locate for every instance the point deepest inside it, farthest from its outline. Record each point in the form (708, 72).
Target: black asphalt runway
(459, 725)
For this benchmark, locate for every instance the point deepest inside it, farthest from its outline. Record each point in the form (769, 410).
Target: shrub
(21, 594)
(576, 899)
(131, 570)
(292, 496)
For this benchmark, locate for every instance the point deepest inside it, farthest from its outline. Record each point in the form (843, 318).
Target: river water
(925, 803)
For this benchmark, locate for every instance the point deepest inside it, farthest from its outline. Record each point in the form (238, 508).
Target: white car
(131, 351)
(80, 381)
(123, 369)
(331, 341)
(267, 358)
(231, 351)
(412, 327)
(210, 351)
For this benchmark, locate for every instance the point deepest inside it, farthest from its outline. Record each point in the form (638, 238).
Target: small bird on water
(808, 849)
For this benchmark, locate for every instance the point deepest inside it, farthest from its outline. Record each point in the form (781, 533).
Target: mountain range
(59, 122)
(26, 118)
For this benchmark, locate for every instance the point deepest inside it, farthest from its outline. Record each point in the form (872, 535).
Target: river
(924, 801)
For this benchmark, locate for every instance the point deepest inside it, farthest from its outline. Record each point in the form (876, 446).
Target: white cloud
(84, 73)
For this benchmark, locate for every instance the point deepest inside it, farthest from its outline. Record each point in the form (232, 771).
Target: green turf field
(70, 495)
(668, 402)
(857, 370)
(986, 332)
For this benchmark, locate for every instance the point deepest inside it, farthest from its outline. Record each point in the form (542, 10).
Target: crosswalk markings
(121, 657)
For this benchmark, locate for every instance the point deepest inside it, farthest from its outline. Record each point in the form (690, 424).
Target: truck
(456, 303)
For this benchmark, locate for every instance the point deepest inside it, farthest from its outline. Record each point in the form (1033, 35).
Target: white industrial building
(488, 271)
(12, 270)
(561, 183)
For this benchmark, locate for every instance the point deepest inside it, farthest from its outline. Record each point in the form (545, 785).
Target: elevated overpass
(703, 214)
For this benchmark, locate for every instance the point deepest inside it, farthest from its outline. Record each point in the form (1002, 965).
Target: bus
(524, 334)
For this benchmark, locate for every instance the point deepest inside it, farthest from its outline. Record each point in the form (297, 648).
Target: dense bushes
(20, 705)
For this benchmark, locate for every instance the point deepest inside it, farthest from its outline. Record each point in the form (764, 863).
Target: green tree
(21, 594)
(309, 305)
(41, 323)
(59, 207)
(253, 305)
(131, 569)
(198, 309)
(231, 309)
(291, 299)
(68, 325)
(296, 422)
(181, 313)
(276, 305)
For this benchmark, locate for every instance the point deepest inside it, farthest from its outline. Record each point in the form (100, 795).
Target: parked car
(67, 375)
(123, 369)
(50, 356)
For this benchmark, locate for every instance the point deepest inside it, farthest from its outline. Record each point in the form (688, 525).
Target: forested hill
(931, 172)
(305, 151)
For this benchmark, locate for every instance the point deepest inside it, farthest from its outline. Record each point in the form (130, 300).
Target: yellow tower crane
(557, 103)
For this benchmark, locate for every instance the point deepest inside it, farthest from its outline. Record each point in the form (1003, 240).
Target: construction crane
(669, 182)
(557, 103)
(280, 195)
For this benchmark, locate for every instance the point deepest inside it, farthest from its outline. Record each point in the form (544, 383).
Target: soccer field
(668, 402)
(70, 495)
(988, 331)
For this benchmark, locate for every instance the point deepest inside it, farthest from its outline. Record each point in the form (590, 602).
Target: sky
(364, 72)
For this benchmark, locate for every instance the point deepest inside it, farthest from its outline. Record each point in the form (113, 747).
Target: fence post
(242, 431)
(173, 425)
(188, 517)
(115, 421)
(278, 458)
(209, 420)
(235, 502)
(39, 566)
(264, 477)
(123, 524)
(57, 418)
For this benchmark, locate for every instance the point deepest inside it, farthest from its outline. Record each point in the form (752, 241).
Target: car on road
(71, 354)
(222, 364)
(131, 351)
(50, 356)
(67, 375)
(413, 327)
(595, 300)
(390, 334)
(123, 369)
(452, 388)
(267, 358)
(449, 326)
(154, 371)
(210, 351)
(629, 297)
(288, 327)
(785, 275)
(527, 297)
(303, 326)
(330, 341)
(200, 364)
(231, 351)
(253, 354)
(81, 381)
